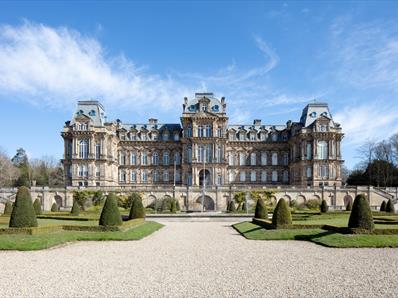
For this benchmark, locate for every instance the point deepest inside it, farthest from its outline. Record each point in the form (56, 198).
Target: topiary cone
(390, 206)
(324, 207)
(23, 214)
(8, 208)
(383, 206)
(37, 206)
(137, 209)
(349, 206)
(261, 210)
(282, 217)
(110, 215)
(75, 208)
(232, 207)
(173, 207)
(361, 215)
(54, 207)
(178, 208)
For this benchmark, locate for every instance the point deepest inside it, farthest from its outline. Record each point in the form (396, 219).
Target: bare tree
(8, 172)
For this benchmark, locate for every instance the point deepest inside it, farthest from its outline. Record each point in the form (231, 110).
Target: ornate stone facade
(204, 148)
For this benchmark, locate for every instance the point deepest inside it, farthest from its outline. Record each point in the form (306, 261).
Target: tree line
(379, 164)
(22, 171)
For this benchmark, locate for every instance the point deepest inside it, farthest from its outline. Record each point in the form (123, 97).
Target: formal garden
(357, 226)
(24, 226)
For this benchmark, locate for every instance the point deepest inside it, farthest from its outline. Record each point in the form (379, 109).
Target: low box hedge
(346, 230)
(30, 231)
(67, 217)
(267, 224)
(126, 225)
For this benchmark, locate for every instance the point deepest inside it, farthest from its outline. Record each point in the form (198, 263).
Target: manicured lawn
(51, 222)
(318, 236)
(42, 241)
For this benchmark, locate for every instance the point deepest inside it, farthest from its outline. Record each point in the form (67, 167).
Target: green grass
(318, 236)
(43, 241)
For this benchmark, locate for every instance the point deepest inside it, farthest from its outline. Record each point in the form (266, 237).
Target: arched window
(285, 158)
(165, 158)
(274, 159)
(144, 176)
(322, 150)
(285, 176)
(133, 158)
(242, 159)
(155, 159)
(263, 158)
(274, 137)
(253, 176)
(176, 137)
(253, 158)
(165, 176)
(83, 149)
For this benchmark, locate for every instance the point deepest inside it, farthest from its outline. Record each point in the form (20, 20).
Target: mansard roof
(91, 109)
(249, 127)
(215, 105)
(152, 126)
(314, 111)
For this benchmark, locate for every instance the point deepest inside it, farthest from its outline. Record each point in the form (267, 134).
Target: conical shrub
(244, 206)
(37, 206)
(173, 207)
(361, 216)
(349, 206)
(261, 210)
(137, 209)
(23, 214)
(390, 206)
(75, 208)
(282, 217)
(232, 207)
(178, 207)
(54, 207)
(383, 206)
(8, 208)
(324, 207)
(110, 215)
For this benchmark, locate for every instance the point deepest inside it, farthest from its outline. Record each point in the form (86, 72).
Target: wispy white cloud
(367, 121)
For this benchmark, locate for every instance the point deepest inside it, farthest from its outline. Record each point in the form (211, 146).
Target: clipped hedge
(75, 208)
(30, 230)
(324, 207)
(37, 206)
(361, 216)
(390, 206)
(282, 217)
(261, 210)
(110, 215)
(124, 227)
(8, 208)
(383, 206)
(23, 214)
(137, 209)
(54, 207)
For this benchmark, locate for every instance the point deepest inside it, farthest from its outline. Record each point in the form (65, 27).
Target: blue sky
(141, 58)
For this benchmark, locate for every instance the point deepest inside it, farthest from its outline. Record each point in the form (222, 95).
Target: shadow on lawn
(310, 237)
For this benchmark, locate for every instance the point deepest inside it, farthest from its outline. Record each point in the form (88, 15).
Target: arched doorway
(347, 200)
(208, 203)
(206, 176)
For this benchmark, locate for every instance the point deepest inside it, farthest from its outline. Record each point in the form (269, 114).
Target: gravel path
(197, 259)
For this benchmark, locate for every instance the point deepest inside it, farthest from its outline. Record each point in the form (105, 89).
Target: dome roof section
(205, 102)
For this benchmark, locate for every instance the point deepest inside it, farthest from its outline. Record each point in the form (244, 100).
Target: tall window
(242, 136)
(200, 131)
(144, 176)
(144, 158)
(165, 176)
(83, 149)
(176, 137)
(242, 176)
(253, 176)
(133, 158)
(97, 171)
(219, 179)
(69, 146)
(263, 176)
(232, 136)
(218, 153)
(274, 176)
(155, 177)
(274, 137)
(208, 131)
(309, 172)
(323, 171)
(177, 158)
(122, 176)
(253, 158)
(274, 159)
(231, 176)
(133, 176)
(263, 158)
(322, 150)
(285, 158)
(242, 159)
(219, 132)
(189, 131)
(231, 159)
(155, 159)
(189, 179)
(285, 176)
(204, 153)
(252, 136)
(189, 155)
(97, 151)
(144, 136)
(165, 158)
(309, 151)
(122, 158)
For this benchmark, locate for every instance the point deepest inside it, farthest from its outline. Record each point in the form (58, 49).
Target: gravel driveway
(197, 259)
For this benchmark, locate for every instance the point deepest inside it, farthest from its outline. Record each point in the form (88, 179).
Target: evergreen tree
(110, 215)
(390, 206)
(37, 206)
(282, 218)
(75, 208)
(324, 207)
(54, 207)
(261, 210)
(361, 215)
(23, 214)
(349, 206)
(173, 208)
(137, 209)
(383, 206)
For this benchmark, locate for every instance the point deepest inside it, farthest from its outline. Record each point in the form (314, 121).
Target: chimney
(257, 122)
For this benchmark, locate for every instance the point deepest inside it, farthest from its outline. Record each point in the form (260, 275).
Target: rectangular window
(263, 158)
(133, 176)
(97, 171)
(274, 176)
(155, 176)
(133, 159)
(309, 172)
(219, 180)
(242, 176)
(263, 176)
(253, 176)
(165, 176)
(144, 177)
(97, 151)
(309, 151)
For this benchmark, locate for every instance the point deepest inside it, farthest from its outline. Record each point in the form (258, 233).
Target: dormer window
(165, 136)
(252, 136)
(204, 108)
(324, 114)
(274, 137)
(176, 137)
(323, 127)
(91, 113)
(82, 126)
(313, 115)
